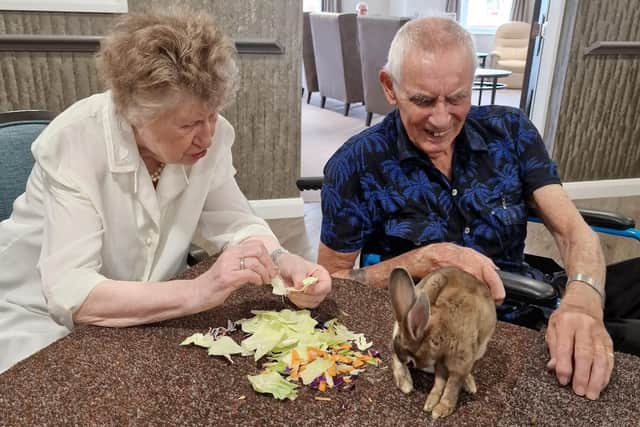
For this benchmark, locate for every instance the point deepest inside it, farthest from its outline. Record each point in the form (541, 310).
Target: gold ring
(242, 267)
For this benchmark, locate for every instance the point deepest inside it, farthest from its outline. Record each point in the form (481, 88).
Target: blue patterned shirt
(382, 195)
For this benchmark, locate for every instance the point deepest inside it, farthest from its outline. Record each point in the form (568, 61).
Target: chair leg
(346, 108)
(308, 96)
(324, 101)
(302, 94)
(369, 117)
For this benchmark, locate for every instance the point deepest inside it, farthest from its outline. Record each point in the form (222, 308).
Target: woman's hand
(245, 262)
(294, 269)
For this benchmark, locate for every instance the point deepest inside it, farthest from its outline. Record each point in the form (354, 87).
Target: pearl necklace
(155, 176)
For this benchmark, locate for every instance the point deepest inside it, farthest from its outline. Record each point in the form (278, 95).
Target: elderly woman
(123, 181)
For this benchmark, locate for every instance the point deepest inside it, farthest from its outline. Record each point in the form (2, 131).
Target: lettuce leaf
(225, 346)
(273, 383)
(201, 340)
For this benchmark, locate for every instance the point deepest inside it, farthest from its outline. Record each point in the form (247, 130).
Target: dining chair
(18, 130)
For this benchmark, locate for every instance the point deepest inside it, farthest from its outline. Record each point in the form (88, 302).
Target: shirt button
(149, 241)
(467, 230)
(454, 192)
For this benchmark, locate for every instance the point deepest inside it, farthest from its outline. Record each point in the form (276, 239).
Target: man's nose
(440, 117)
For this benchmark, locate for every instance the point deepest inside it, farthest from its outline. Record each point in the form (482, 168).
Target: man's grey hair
(430, 35)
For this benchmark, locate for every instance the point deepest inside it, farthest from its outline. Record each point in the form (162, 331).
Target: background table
(140, 375)
(482, 56)
(492, 75)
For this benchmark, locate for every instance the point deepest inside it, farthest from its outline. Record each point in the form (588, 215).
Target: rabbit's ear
(418, 317)
(402, 293)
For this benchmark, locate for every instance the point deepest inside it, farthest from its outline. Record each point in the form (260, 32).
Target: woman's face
(179, 135)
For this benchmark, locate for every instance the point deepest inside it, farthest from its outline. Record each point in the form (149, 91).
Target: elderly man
(362, 8)
(441, 183)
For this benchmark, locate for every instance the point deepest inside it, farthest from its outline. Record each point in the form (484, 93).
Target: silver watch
(277, 253)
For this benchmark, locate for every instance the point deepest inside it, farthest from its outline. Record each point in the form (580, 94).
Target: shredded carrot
(326, 399)
(295, 372)
(332, 370)
(322, 386)
(357, 363)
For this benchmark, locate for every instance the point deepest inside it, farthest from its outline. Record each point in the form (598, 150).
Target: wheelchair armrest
(527, 290)
(597, 218)
(607, 219)
(309, 183)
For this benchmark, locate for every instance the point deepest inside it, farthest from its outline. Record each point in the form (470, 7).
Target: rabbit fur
(443, 324)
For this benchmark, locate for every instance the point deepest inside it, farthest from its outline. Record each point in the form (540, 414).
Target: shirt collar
(122, 152)
(469, 137)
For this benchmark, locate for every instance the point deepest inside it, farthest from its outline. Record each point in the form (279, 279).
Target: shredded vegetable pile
(296, 349)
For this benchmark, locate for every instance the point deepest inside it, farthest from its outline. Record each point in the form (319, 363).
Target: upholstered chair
(308, 59)
(18, 130)
(374, 36)
(510, 52)
(337, 57)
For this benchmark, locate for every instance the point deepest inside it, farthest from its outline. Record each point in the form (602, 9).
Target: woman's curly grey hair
(150, 60)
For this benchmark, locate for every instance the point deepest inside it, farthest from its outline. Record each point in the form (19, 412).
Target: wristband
(589, 281)
(277, 253)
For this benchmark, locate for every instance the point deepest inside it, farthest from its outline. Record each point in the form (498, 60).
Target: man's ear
(387, 87)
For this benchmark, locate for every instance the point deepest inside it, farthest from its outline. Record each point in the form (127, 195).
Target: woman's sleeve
(70, 258)
(227, 217)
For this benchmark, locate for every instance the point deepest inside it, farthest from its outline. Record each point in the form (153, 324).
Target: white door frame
(541, 97)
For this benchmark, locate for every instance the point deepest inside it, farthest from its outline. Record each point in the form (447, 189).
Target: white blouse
(90, 213)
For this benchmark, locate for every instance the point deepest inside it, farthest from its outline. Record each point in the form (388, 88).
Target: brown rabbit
(445, 323)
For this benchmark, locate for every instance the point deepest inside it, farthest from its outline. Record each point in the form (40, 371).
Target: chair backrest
(512, 40)
(308, 58)
(18, 130)
(375, 35)
(337, 56)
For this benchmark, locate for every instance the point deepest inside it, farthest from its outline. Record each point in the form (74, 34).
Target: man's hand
(579, 345)
(293, 270)
(471, 261)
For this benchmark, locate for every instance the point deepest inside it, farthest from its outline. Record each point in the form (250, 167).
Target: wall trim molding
(602, 189)
(278, 208)
(91, 44)
(294, 207)
(93, 6)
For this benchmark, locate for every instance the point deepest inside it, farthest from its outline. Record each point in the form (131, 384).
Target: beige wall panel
(598, 133)
(265, 113)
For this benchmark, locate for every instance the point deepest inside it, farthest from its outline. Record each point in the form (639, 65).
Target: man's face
(363, 9)
(433, 95)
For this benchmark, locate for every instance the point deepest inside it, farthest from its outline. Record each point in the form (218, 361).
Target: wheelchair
(530, 299)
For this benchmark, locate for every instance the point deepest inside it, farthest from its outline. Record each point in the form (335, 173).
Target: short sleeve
(537, 168)
(346, 220)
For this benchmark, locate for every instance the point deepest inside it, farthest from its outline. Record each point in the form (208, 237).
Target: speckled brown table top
(102, 376)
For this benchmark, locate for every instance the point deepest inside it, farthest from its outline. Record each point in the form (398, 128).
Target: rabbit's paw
(404, 383)
(469, 385)
(431, 402)
(441, 410)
